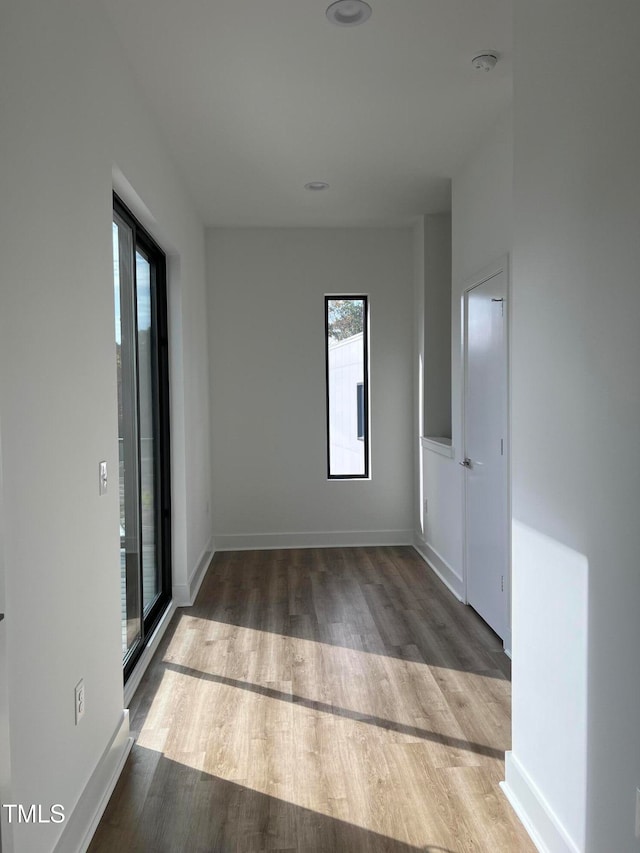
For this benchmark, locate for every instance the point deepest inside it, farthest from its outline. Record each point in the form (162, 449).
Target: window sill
(356, 479)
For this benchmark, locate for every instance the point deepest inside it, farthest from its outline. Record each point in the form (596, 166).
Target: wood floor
(335, 700)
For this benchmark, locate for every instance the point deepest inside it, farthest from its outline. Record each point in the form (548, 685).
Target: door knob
(466, 462)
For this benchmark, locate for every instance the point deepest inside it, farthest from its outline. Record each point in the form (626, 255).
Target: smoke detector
(349, 13)
(484, 61)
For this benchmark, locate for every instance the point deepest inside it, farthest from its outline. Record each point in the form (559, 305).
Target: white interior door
(485, 434)
(6, 845)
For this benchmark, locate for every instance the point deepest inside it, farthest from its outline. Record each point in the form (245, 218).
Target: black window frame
(142, 240)
(365, 381)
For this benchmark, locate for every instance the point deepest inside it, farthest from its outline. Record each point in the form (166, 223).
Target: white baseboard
(536, 815)
(83, 821)
(506, 643)
(334, 539)
(185, 594)
(440, 567)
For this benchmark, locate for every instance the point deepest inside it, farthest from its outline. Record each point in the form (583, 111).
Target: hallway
(319, 700)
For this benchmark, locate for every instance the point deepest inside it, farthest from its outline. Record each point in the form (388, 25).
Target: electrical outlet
(79, 700)
(637, 812)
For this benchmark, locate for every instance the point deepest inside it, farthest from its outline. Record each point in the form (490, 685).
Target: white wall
(576, 411)
(6, 844)
(266, 289)
(482, 213)
(441, 540)
(437, 325)
(70, 115)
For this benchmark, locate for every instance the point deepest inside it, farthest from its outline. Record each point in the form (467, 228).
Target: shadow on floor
(326, 708)
(162, 806)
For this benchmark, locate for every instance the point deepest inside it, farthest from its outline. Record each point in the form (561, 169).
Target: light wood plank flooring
(319, 701)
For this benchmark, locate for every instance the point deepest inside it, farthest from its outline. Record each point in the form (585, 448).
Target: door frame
(500, 265)
(162, 431)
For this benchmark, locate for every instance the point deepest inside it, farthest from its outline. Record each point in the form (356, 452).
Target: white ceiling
(256, 97)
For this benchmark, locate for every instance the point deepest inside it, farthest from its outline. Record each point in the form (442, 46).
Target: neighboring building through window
(360, 409)
(346, 322)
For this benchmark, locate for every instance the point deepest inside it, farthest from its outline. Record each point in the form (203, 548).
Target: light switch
(103, 479)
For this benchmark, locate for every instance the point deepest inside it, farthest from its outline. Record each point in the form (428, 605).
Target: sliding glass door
(143, 430)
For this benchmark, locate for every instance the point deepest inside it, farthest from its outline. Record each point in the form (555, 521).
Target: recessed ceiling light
(316, 185)
(485, 62)
(348, 13)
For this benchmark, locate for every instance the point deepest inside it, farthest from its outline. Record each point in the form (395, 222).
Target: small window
(347, 348)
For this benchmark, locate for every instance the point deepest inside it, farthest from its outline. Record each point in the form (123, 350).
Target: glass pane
(346, 391)
(150, 579)
(127, 436)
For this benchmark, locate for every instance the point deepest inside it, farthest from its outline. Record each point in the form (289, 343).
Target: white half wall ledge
(440, 567)
(438, 444)
(334, 539)
(82, 822)
(536, 815)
